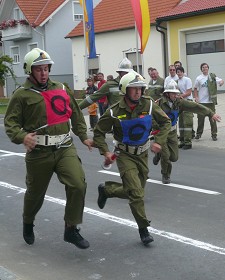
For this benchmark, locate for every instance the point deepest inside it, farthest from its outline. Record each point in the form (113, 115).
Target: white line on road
(168, 185)
(126, 222)
(7, 153)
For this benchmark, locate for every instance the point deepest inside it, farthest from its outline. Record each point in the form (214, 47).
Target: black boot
(166, 179)
(181, 145)
(28, 233)
(72, 235)
(101, 196)
(146, 238)
(156, 158)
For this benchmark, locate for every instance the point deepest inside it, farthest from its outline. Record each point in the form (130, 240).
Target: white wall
(110, 46)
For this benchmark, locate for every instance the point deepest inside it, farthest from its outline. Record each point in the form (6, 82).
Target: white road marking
(7, 153)
(126, 222)
(168, 185)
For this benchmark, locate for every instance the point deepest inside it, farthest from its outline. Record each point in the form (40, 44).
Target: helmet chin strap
(131, 100)
(42, 86)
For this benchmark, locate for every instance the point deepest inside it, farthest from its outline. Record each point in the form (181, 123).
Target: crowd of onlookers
(202, 91)
(94, 83)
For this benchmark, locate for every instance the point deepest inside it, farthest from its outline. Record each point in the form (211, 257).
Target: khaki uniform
(169, 151)
(155, 90)
(25, 113)
(110, 89)
(133, 168)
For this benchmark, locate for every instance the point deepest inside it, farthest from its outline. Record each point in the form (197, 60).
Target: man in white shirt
(205, 93)
(172, 75)
(185, 118)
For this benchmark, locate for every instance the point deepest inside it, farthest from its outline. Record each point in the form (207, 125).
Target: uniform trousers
(169, 153)
(186, 127)
(201, 121)
(41, 163)
(134, 173)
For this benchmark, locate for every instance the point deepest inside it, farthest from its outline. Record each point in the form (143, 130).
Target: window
(193, 48)
(208, 47)
(32, 46)
(132, 56)
(220, 46)
(77, 11)
(78, 17)
(205, 47)
(93, 65)
(15, 54)
(18, 14)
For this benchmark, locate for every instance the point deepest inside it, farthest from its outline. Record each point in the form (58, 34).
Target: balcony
(17, 32)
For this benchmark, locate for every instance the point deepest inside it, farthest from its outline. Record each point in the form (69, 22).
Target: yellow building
(195, 34)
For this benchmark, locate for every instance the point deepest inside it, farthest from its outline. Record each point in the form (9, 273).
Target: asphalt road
(188, 223)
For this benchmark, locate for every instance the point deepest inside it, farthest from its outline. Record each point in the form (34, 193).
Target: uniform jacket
(123, 111)
(26, 112)
(110, 89)
(155, 90)
(184, 105)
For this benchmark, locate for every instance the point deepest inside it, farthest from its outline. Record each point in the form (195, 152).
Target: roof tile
(115, 15)
(37, 11)
(194, 6)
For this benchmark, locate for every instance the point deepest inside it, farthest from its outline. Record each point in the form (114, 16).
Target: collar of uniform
(123, 104)
(164, 99)
(117, 80)
(176, 101)
(28, 84)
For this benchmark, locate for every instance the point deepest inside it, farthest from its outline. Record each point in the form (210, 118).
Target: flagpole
(142, 65)
(137, 58)
(85, 45)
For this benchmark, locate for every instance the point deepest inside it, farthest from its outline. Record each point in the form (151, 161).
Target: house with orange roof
(25, 24)
(115, 38)
(196, 34)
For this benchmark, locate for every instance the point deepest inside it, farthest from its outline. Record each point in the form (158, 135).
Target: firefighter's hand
(29, 141)
(108, 158)
(88, 143)
(179, 96)
(216, 118)
(221, 83)
(156, 148)
(196, 99)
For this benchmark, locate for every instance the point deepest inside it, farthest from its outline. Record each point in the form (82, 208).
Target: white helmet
(132, 79)
(36, 57)
(172, 87)
(125, 65)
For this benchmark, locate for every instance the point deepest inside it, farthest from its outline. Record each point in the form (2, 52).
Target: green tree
(6, 68)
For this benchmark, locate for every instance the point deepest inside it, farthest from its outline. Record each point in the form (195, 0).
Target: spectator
(102, 102)
(205, 93)
(155, 86)
(93, 115)
(172, 75)
(91, 88)
(110, 78)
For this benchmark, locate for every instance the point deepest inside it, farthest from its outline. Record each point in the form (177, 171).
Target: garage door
(206, 46)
